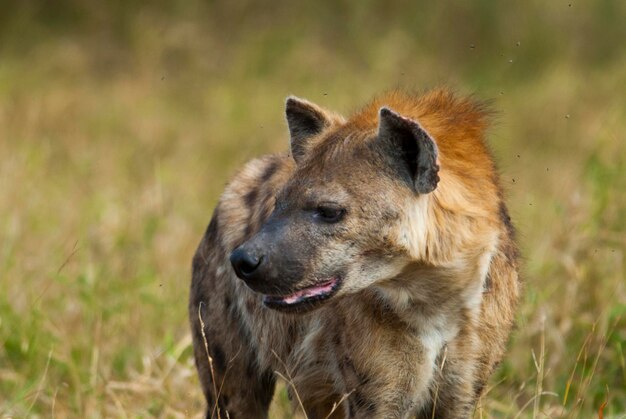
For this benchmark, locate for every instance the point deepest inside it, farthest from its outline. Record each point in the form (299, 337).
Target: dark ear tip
(291, 102)
(385, 111)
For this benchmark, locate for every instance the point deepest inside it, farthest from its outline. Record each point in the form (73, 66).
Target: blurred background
(121, 122)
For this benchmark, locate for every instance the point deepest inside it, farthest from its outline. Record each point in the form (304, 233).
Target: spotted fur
(426, 253)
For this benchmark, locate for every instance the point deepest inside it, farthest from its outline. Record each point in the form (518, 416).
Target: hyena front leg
(387, 391)
(451, 397)
(229, 374)
(234, 386)
(397, 402)
(456, 386)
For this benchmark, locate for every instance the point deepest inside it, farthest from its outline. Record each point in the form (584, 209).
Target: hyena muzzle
(373, 267)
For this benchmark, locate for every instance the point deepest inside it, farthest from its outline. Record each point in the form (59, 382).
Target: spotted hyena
(374, 266)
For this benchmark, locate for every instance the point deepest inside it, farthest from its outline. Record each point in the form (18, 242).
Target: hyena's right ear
(305, 120)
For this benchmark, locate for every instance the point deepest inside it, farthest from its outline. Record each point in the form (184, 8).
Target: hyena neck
(435, 300)
(447, 225)
(450, 244)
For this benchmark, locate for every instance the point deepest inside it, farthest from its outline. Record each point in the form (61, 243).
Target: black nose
(244, 263)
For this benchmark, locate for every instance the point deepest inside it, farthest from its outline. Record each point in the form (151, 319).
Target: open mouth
(305, 298)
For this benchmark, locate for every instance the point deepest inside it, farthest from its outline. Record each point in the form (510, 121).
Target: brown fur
(426, 334)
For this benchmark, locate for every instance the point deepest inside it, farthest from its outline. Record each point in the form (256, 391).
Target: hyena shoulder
(249, 199)
(245, 204)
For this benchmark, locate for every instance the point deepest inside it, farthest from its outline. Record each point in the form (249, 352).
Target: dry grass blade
(117, 402)
(436, 397)
(54, 403)
(540, 368)
(603, 405)
(589, 378)
(68, 258)
(338, 403)
(40, 385)
(216, 407)
(532, 400)
(289, 380)
(568, 385)
(219, 392)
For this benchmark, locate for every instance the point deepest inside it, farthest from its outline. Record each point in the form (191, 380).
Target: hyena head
(332, 228)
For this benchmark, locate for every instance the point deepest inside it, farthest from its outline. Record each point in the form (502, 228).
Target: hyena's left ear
(305, 120)
(417, 148)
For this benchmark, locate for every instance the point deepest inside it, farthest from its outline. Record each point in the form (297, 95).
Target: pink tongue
(309, 292)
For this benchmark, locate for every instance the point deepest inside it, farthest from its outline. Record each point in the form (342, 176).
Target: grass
(119, 126)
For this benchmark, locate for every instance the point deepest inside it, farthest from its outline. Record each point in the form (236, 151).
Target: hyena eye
(329, 213)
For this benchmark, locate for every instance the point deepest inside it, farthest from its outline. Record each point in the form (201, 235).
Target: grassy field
(121, 123)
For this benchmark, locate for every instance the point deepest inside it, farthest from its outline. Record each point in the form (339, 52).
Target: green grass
(121, 123)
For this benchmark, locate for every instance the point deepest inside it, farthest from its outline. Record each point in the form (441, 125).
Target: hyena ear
(416, 146)
(305, 120)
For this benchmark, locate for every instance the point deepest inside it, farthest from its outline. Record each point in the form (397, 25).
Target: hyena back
(376, 261)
